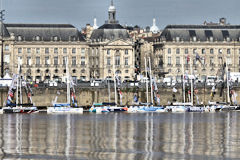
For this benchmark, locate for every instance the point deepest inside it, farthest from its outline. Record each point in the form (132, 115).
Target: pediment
(120, 42)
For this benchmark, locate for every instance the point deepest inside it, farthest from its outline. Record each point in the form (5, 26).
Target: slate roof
(46, 32)
(110, 34)
(201, 32)
(4, 30)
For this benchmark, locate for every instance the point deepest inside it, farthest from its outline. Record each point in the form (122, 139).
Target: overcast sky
(130, 12)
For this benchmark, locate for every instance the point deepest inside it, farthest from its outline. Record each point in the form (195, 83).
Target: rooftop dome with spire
(112, 7)
(111, 29)
(154, 28)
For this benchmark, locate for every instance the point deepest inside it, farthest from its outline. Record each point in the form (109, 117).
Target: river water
(122, 136)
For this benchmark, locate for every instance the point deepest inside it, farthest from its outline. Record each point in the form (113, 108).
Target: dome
(154, 28)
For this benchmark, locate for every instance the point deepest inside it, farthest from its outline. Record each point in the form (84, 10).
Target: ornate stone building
(42, 48)
(111, 49)
(208, 46)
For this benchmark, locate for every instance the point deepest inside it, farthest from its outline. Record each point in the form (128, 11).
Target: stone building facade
(205, 47)
(41, 50)
(111, 50)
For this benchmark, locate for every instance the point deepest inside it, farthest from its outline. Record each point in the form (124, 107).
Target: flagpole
(183, 80)
(150, 79)
(146, 79)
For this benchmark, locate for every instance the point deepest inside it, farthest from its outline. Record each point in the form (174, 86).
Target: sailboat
(147, 107)
(67, 107)
(108, 106)
(14, 102)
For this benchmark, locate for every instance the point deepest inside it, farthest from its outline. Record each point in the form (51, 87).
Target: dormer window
(19, 38)
(73, 38)
(228, 39)
(211, 39)
(55, 38)
(177, 39)
(37, 38)
(194, 39)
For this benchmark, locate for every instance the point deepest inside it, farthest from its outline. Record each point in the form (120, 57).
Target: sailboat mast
(150, 79)
(183, 80)
(227, 78)
(115, 85)
(191, 64)
(146, 79)
(68, 82)
(18, 72)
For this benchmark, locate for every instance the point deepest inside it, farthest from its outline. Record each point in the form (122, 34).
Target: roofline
(202, 27)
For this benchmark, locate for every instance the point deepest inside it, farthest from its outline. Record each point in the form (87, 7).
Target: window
(64, 60)
(203, 51)
(211, 51)
(220, 51)
(177, 51)
(46, 50)
(55, 50)
(177, 60)
(108, 61)
(74, 71)
(6, 47)
(239, 60)
(47, 60)
(126, 62)
(29, 61)
(73, 50)
(194, 51)
(229, 60)
(126, 71)
(37, 60)
(117, 60)
(211, 61)
(74, 61)
(169, 60)
(55, 60)
(108, 52)
(28, 50)
(126, 52)
(186, 51)
(228, 51)
(109, 71)
(64, 50)
(37, 50)
(83, 51)
(19, 50)
(169, 50)
(82, 60)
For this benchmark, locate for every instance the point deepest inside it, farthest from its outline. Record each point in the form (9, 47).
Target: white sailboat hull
(52, 110)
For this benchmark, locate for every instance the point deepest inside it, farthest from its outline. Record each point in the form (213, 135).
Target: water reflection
(120, 136)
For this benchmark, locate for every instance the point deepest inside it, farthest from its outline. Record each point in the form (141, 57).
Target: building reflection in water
(120, 136)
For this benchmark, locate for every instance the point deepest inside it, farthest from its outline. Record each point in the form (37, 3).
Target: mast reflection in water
(120, 136)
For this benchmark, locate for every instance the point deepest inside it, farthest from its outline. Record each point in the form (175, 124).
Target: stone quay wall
(86, 96)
